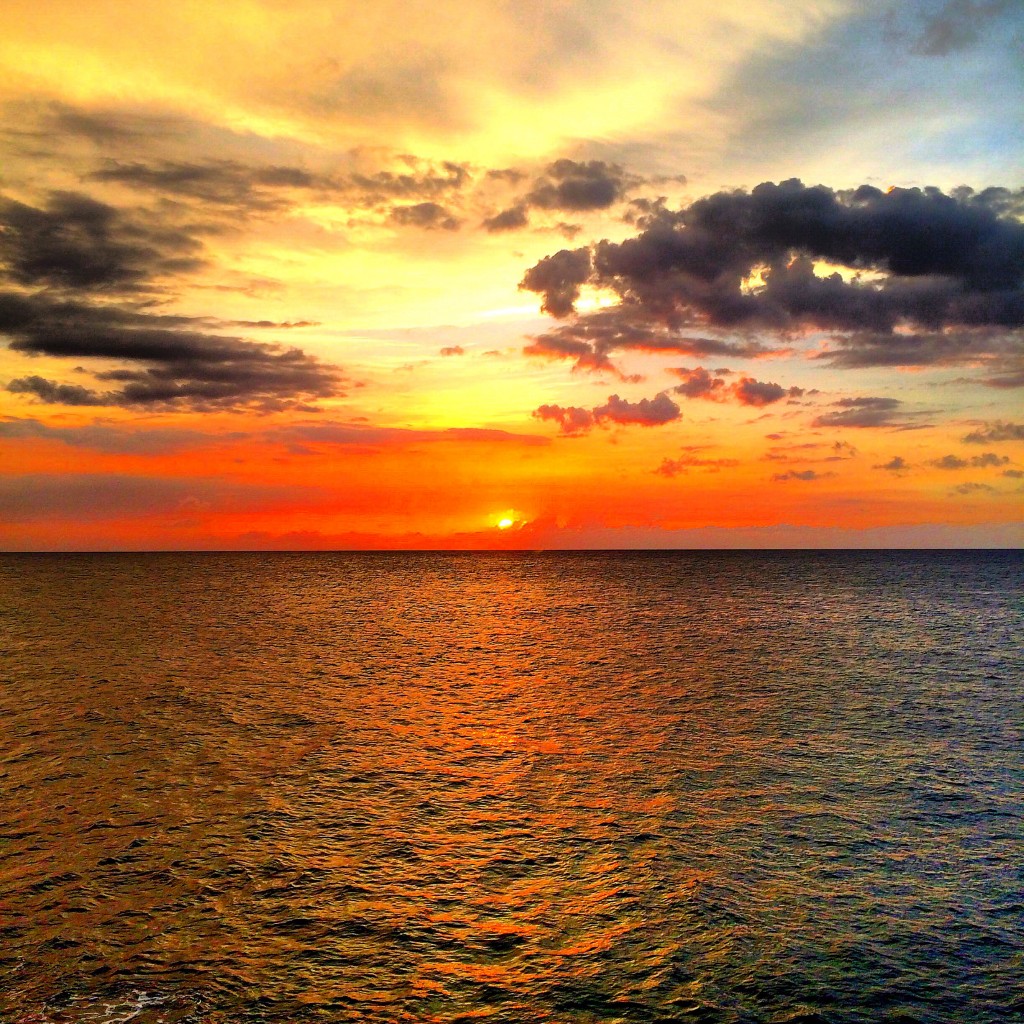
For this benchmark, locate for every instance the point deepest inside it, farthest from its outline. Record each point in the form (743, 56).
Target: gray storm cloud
(933, 278)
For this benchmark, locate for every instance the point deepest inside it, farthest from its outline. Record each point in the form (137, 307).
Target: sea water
(558, 787)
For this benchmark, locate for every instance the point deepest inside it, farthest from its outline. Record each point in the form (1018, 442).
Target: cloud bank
(922, 277)
(82, 278)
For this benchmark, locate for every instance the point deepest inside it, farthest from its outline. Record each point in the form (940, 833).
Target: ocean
(553, 787)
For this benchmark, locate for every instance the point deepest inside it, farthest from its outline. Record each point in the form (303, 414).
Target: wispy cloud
(992, 433)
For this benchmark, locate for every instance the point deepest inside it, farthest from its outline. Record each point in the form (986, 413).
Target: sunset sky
(531, 275)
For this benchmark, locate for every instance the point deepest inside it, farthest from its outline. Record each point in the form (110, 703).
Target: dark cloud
(644, 212)
(578, 187)
(218, 182)
(512, 219)
(165, 368)
(46, 125)
(453, 350)
(78, 255)
(802, 474)
(861, 412)
(1014, 474)
(76, 242)
(841, 450)
(956, 26)
(52, 393)
(989, 459)
(559, 278)
(407, 190)
(1010, 375)
(101, 127)
(897, 464)
(266, 186)
(648, 412)
(987, 346)
(566, 186)
(513, 175)
(997, 431)
(430, 216)
(279, 325)
(24, 310)
(973, 488)
(699, 383)
(934, 277)
(563, 344)
(760, 393)
(571, 419)
(162, 361)
(423, 179)
(975, 462)
(222, 190)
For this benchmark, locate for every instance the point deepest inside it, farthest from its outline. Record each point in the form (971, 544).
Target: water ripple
(532, 788)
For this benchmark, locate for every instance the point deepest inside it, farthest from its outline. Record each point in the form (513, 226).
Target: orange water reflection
(451, 788)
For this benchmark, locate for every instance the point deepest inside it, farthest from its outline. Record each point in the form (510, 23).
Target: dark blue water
(715, 787)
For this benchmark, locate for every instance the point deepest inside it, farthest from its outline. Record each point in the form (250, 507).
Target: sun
(506, 519)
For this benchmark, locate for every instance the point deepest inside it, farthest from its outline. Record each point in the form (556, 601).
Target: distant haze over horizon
(592, 275)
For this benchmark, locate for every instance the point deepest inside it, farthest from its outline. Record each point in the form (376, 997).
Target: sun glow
(596, 298)
(506, 519)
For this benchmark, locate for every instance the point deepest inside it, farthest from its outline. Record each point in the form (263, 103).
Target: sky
(543, 274)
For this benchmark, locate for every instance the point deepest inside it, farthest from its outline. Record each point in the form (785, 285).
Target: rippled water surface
(773, 787)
